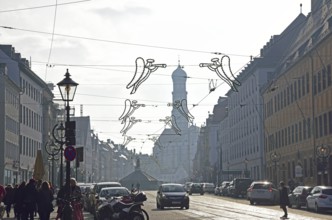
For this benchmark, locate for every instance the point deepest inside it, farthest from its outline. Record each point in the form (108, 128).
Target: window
(309, 127)
(314, 85)
(295, 91)
(311, 169)
(324, 81)
(319, 82)
(303, 86)
(305, 168)
(325, 124)
(293, 138)
(329, 76)
(296, 134)
(330, 122)
(307, 83)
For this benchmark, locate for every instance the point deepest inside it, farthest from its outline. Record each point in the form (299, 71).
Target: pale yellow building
(298, 106)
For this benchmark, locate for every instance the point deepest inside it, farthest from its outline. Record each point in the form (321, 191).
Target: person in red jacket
(2, 196)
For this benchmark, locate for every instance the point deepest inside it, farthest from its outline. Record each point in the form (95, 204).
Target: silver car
(262, 192)
(320, 198)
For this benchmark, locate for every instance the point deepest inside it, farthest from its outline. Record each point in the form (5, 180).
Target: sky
(98, 41)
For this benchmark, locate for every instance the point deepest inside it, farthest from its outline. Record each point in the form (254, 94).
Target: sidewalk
(12, 216)
(87, 216)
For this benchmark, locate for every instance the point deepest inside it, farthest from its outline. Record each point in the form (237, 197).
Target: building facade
(299, 112)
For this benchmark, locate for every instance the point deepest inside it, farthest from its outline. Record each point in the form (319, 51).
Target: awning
(38, 171)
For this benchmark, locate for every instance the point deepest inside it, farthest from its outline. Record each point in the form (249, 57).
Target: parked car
(223, 188)
(111, 192)
(298, 197)
(238, 187)
(217, 190)
(86, 197)
(208, 187)
(196, 188)
(96, 190)
(262, 192)
(187, 186)
(172, 195)
(320, 198)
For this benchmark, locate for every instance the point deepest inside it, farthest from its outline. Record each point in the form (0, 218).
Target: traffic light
(70, 132)
(79, 154)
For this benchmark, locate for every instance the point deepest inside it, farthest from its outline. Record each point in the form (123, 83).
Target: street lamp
(67, 89)
(275, 157)
(322, 152)
(58, 134)
(246, 167)
(52, 150)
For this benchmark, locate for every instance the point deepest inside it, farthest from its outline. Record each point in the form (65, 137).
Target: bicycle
(70, 209)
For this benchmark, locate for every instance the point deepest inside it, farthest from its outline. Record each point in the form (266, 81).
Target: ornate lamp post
(67, 89)
(58, 134)
(322, 152)
(52, 150)
(275, 157)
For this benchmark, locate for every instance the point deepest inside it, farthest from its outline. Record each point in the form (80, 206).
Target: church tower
(179, 93)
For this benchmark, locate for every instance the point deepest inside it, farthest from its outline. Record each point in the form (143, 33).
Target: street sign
(70, 153)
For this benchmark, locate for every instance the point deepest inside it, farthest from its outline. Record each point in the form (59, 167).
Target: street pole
(67, 89)
(58, 135)
(322, 152)
(52, 151)
(275, 157)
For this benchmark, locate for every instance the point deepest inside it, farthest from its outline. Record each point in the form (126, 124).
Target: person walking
(9, 198)
(284, 201)
(18, 199)
(29, 200)
(2, 196)
(44, 201)
(15, 208)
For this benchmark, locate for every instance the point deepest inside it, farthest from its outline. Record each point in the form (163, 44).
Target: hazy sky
(99, 41)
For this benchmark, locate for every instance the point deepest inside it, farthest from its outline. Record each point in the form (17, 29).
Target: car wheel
(317, 209)
(190, 193)
(307, 206)
(251, 202)
(298, 204)
(187, 207)
(161, 207)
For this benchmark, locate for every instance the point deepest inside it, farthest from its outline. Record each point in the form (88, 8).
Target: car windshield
(99, 187)
(327, 191)
(243, 181)
(114, 192)
(261, 186)
(173, 188)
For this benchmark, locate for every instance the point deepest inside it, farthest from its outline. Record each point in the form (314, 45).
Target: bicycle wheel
(67, 213)
(146, 215)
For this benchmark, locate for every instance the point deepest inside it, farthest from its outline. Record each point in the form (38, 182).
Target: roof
(179, 72)
(138, 175)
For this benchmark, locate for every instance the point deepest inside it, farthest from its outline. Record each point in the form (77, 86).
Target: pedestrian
(284, 201)
(60, 201)
(44, 201)
(18, 199)
(30, 200)
(38, 185)
(2, 196)
(9, 198)
(15, 191)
